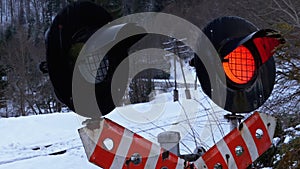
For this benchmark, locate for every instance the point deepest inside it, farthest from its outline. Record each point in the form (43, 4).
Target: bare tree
(28, 91)
(284, 15)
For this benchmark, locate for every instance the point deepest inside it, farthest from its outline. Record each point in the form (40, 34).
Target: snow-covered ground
(52, 141)
(28, 142)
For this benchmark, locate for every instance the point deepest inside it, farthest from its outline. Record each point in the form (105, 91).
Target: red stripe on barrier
(170, 162)
(238, 149)
(213, 157)
(101, 155)
(257, 127)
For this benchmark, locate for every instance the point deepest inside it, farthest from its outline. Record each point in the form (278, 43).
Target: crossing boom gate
(115, 147)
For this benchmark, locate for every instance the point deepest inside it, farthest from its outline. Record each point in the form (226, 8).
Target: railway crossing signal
(246, 55)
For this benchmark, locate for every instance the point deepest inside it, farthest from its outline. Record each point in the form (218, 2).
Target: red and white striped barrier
(112, 146)
(242, 146)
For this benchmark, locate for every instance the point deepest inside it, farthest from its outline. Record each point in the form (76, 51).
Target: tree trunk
(28, 17)
(12, 17)
(1, 14)
(21, 18)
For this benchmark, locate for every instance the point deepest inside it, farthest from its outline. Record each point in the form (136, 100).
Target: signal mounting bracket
(234, 119)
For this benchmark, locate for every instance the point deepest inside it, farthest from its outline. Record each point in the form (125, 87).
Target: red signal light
(239, 65)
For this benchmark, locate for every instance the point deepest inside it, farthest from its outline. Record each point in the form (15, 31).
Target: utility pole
(175, 46)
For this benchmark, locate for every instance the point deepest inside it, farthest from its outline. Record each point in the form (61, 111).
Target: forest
(25, 90)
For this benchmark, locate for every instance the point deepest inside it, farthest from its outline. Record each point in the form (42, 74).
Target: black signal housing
(246, 55)
(70, 30)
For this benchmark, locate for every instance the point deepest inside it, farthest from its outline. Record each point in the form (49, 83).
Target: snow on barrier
(111, 146)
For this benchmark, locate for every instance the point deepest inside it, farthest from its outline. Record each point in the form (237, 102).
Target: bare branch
(292, 16)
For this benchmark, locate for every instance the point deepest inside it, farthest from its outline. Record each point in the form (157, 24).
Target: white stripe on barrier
(269, 124)
(200, 163)
(249, 140)
(122, 150)
(93, 136)
(225, 151)
(153, 157)
(180, 163)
